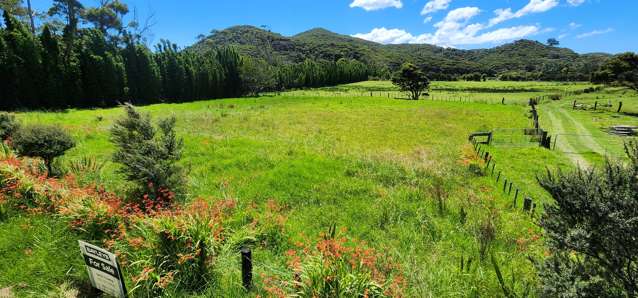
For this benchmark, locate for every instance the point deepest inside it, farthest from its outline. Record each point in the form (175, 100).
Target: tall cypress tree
(6, 88)
(52, 71)
(229, 60)
(23, 61)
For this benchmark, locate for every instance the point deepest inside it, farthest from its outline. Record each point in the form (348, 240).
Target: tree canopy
(411, 79)
(622, 69)
(103, 64)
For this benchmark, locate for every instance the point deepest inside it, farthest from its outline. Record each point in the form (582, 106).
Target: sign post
(103, 269)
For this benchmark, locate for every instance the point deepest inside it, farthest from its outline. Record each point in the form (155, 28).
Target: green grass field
(339, 155)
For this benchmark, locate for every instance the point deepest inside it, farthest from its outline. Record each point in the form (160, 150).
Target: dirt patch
(6, 292)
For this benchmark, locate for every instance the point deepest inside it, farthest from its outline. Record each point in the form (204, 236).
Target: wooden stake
(246, 268)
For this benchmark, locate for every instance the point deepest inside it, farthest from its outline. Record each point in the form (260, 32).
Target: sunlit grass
(365, 163)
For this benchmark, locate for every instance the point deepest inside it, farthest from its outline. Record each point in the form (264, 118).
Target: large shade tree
(411, 79)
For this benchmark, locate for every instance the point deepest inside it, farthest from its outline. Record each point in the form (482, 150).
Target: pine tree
(71, 10)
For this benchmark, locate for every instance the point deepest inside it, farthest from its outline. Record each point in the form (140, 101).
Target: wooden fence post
(527, 204)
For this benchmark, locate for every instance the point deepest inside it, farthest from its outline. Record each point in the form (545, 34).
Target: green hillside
(527, 58)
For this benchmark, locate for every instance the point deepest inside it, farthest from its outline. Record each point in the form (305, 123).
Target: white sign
(103, 269)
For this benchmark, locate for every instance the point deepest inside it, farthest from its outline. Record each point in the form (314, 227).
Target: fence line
(447, 97)
(508, 185)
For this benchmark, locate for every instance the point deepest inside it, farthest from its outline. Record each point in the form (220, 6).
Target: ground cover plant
(335, 191)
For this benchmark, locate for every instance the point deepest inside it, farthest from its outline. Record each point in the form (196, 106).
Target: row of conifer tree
(41, 72)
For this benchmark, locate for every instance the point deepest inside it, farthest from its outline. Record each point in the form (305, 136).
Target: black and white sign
(103, 269)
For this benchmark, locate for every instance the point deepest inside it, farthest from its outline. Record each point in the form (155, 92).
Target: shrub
(555, 97)
(8, 125)
(148, 158)
(591, 231)
(44, 141)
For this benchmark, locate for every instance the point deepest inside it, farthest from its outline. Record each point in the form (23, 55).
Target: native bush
(44, 141)
(149, 157)
(591, 231)
(8, 125)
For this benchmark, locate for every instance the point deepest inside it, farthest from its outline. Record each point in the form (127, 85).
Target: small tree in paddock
(256, 76)
(592, 231)
(411, 79)
(149, 157)
(44, 141)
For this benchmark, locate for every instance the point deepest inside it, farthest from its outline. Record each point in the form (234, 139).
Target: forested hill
(520, 60)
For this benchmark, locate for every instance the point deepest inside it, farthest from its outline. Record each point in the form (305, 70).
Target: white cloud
(370, 5)
(435, 5)
(594, 33)
(387, 36)
(427, 19)
(563, 36)
(504, 34)
(454, 29)
(534, 6)
(574, 25)
(575, 2)
(461, 14)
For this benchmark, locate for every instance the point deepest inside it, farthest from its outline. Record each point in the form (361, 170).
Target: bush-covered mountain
(523, 59)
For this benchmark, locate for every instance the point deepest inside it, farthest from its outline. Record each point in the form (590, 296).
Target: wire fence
(509, 188)
(464, 96)
(461, 97)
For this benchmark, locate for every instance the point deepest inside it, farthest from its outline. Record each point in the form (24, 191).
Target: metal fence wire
(517, 137)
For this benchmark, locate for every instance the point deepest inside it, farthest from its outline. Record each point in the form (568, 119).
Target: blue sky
(583, 25)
